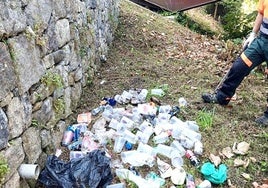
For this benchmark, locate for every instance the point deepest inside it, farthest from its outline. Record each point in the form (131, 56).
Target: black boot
(210, 98)
(263, 120)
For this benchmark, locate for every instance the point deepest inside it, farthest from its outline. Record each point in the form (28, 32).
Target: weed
(59, 105)
(205, 119)
(83, 52)
(4, 169)
(131, 184)
(35, 123)
(52, 80)
(264, 166)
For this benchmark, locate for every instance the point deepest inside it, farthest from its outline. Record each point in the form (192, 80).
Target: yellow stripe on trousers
(246, 60)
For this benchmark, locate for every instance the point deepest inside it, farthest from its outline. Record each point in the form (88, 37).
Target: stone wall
(49, 51)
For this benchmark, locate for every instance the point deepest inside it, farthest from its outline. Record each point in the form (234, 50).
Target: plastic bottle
(194, 136)
(190, 181)
(75, 145)
(174, 111)
(97, 110)
(142, 95)
(67, 136)
(164, 150)
(158, 92)
(161, 138)
(192, 125)
(186, 142)
(193, 159)
(135, 158)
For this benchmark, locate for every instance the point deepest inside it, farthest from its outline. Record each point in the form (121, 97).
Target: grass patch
(205, 118)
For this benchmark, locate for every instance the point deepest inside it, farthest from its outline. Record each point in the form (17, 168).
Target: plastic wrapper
(92, 171)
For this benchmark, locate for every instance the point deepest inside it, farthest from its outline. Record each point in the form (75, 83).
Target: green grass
(205, 119)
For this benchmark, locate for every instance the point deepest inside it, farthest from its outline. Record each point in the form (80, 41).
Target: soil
(152, 51)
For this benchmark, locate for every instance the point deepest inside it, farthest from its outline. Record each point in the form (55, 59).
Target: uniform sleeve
(261, 6)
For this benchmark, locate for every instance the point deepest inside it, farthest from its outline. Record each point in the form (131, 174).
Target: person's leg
(249, 59)
(263, 120)
(237, 73)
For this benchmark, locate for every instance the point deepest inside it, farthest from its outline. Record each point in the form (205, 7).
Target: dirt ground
(150, 50)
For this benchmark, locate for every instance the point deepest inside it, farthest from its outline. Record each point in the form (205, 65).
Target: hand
(249, 40)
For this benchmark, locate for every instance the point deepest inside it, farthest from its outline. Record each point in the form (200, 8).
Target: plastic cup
(119, 144)
(176, 144)
(176, 159)
(29, 171)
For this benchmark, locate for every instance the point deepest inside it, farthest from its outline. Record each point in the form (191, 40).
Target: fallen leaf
(241, 148)
(246, 163)
(227, 152)
(238, 162)
(230, 185)
(256, 185)
(246, 176)
(253, 159)
(216, 160)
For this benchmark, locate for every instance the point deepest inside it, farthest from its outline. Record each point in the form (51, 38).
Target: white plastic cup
(198, 148)
(119, 144)
(176, 144)
(164, 150)
(176, 159)
(158, 92)
(129, 136)
(145, 148)
(186, 142)
(142, 95)
(29, 171)
(192, 125)
(176, 131)
(161, 138)
(76, 154)
(194, 136)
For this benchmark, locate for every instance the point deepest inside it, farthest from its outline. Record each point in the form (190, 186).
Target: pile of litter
(141, 133)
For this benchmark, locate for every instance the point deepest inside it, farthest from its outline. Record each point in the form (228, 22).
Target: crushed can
(67, 138)
(193, 159)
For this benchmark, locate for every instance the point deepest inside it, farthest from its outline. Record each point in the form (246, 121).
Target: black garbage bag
(92, 171)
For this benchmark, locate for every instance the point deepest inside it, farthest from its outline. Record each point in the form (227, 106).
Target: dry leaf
(230, 185)
(253, 159)
(247, 161)
(256, 185)
(246, 176)
(238, 162)
(227, 152)
(241, 148)
(216, 160)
